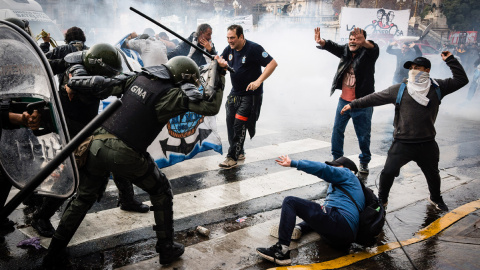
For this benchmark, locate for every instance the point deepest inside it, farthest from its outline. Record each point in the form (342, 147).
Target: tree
(462, 15)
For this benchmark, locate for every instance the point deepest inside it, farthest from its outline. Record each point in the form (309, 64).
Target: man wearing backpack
(337, 220)
(416, 110)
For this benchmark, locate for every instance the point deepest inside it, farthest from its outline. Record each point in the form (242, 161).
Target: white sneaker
(297, 232)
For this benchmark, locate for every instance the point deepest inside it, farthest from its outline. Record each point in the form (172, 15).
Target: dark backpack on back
(372, 218)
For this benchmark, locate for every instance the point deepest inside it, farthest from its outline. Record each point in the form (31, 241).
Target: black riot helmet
(20, 23)
(183, 69)
(102, 59)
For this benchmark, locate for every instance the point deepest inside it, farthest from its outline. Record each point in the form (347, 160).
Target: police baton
(59, 159)
(177, 35)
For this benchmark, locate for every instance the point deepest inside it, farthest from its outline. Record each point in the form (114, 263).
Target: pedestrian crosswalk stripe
(190, 204)
(203, 164)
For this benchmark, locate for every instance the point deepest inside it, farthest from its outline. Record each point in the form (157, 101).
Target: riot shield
(27, 84)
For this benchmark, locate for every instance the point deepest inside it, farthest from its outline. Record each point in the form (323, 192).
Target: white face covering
(418, 86)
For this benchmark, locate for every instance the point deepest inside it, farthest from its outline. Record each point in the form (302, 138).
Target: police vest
(135, 122)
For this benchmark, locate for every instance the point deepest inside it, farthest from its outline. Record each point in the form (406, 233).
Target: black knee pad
(162, 185)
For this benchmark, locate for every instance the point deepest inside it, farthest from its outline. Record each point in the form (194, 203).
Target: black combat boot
(6, 225)
(126, 197)
(169, 250)
(57, 256)
(41, 218)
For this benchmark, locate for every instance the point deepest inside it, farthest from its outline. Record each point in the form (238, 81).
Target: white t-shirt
(152, 51)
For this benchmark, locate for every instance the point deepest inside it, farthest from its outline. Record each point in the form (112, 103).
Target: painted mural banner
(379, 23)
(463, 37)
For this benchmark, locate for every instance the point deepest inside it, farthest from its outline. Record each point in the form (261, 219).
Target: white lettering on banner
(139, 91)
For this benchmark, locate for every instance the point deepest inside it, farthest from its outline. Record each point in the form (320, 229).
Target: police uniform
(121, 148)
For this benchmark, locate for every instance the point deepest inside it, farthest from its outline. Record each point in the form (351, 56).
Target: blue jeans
(326, 221)
(362, 122)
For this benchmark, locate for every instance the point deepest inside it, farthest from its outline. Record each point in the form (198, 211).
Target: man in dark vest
(150, 99)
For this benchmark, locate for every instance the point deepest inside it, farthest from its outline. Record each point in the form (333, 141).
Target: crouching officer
(150, 99)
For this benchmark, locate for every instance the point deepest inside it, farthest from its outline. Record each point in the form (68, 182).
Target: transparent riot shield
(27, 84)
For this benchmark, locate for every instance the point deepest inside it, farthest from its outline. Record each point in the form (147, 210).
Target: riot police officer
(150, 99)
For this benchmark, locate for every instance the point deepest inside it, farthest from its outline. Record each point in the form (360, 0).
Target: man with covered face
(150, 98)
(416, 107)
(355, 78)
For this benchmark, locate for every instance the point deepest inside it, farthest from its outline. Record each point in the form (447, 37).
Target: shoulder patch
(265, 54)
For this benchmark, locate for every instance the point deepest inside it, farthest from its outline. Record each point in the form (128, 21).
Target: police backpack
(372, 218)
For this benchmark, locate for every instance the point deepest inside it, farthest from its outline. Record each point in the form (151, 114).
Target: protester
(162, 36)
(336, 221)
(355, 78)
(203, 39)
(415, 115)
(74, 41)
(403, 55)
(120, 145)
(245, 99)
(152, 51)
(475, 83)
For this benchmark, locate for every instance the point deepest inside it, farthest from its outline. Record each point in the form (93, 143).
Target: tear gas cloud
(300, 86)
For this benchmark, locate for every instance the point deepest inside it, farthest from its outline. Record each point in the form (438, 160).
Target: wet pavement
(214, 198)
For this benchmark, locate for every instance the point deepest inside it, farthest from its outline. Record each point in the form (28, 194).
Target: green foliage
(462, 15)
(425, 11)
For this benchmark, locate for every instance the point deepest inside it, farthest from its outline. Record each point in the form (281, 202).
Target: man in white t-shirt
(152, 51)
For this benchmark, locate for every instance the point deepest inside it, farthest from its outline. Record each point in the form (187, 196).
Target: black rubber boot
(126, 197)
(57, 256)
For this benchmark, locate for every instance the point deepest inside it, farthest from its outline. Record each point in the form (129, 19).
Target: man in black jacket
(74, 41)
(203, 39)
(415, 115)
(355, 78)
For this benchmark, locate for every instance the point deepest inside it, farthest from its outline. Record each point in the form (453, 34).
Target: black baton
(177, 35)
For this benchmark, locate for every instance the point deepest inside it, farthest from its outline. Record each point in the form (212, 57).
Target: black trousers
(425, 154)
(238, 110)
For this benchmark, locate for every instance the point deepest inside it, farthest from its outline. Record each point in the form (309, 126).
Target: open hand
(357, 33)
(284, 161)
(205, 43)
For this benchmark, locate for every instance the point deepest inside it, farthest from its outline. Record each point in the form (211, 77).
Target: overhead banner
(463, 37)
(378, 23)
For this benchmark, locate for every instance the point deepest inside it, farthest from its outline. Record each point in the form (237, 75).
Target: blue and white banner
(184, 136)
(128, 52)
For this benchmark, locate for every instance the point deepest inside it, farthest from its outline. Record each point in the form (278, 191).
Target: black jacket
(183, 49)
(363, 66)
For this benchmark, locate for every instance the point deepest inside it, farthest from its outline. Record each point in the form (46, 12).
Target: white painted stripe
(189, 204)
(210, 163)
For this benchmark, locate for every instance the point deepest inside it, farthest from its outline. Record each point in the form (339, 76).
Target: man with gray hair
(203, 39)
